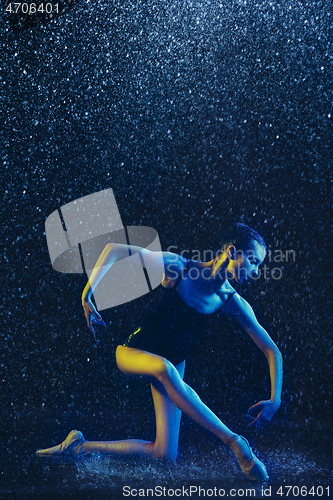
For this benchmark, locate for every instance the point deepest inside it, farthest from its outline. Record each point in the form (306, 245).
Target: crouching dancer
(163, 339)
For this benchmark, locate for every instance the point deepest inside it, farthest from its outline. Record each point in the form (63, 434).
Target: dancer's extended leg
(135, 361)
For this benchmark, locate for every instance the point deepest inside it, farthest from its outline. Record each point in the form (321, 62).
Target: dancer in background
(191, 291)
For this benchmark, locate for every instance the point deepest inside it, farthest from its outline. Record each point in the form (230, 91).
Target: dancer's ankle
(242, 450)
(231, 439)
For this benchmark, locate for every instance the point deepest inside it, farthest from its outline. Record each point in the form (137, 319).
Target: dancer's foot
(250, 464)
(71, 446)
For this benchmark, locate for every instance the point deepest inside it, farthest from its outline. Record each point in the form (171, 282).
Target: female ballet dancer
(190, 291)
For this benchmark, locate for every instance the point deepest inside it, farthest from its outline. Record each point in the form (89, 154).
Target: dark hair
(241, 236)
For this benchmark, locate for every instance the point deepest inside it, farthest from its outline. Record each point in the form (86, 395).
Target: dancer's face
(245, 263)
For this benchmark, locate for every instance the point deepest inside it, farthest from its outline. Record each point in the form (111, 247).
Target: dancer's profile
(157, 349)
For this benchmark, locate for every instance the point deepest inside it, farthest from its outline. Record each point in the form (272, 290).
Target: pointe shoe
(71, 446)
(249, 463)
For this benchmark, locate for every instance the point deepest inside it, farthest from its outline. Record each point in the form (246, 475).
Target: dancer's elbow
(272, 351)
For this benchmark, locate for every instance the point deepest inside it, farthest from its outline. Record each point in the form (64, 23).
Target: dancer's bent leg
(167, 430)
(167, 434)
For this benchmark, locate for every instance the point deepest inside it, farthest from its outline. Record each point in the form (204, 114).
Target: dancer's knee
(165, 370)
(161, 452)
(191, 392)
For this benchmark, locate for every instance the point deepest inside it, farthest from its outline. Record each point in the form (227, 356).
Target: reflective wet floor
(298, 457)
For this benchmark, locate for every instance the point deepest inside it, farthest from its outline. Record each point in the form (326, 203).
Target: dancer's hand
(267, 410)
(92, 316)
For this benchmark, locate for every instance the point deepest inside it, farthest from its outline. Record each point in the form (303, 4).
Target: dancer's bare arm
(243, 312)
(114, 251)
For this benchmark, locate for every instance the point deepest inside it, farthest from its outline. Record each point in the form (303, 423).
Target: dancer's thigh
(136, 362)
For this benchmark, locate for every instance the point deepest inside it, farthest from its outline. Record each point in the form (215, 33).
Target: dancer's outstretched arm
(243, 312)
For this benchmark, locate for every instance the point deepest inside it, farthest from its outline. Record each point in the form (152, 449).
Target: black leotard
(171, 327)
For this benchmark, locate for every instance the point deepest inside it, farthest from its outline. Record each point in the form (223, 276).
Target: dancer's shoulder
(170, 264)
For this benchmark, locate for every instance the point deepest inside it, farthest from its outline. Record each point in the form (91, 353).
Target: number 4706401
(32, 8)
(296, 491)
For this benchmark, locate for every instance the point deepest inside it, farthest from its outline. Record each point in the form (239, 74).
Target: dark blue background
(196, 114)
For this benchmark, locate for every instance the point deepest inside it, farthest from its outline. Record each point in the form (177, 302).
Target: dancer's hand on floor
(267, 410)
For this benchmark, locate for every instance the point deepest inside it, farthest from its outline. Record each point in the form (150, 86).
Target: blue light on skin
(244, 264)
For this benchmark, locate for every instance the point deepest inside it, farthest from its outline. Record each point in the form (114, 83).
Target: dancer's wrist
(276, 401)
(86, 296)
